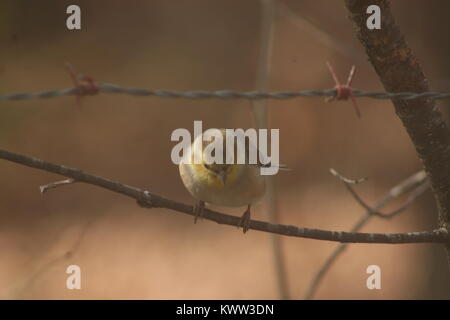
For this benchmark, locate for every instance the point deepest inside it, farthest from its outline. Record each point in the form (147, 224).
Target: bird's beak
(223, 176)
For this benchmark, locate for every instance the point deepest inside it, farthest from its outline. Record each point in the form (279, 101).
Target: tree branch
(415, 184)
(146, 199)
(399, 70)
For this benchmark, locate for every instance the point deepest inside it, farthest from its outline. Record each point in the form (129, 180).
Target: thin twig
(413, 195)
(415, 184)
(151, 200)
(411, 198)
(44, 188)
(20, 288)
(260, 114)
(347, 180)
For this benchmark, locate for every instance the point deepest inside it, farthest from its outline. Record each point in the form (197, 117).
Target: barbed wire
(219, 94)
(85, 85)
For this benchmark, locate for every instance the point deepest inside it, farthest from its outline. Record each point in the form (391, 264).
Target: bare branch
(20, 288)
(44, 188)
(152, 200)
(421, 176)
(411, 198)
(346, 180)
(399, 70)
(416, 184)
(260, 114)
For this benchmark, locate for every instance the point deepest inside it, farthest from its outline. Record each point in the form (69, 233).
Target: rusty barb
(344, 91)
(84, 85)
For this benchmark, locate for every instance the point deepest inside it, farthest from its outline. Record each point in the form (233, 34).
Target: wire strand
(221, 94)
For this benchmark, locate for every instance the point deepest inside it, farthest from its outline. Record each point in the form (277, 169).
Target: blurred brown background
(127, 252)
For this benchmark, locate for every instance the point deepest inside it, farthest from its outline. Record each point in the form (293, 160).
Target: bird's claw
(198, 210)
(245, 220)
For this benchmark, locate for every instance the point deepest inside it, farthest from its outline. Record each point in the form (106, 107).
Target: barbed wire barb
(85, 85)
(344, 91)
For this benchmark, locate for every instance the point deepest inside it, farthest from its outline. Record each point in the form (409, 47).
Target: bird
(222, 184)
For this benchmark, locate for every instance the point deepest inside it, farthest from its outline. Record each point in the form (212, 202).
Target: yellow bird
(229, 185)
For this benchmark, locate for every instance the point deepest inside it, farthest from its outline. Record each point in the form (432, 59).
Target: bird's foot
(245, 220)
(198, 210)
